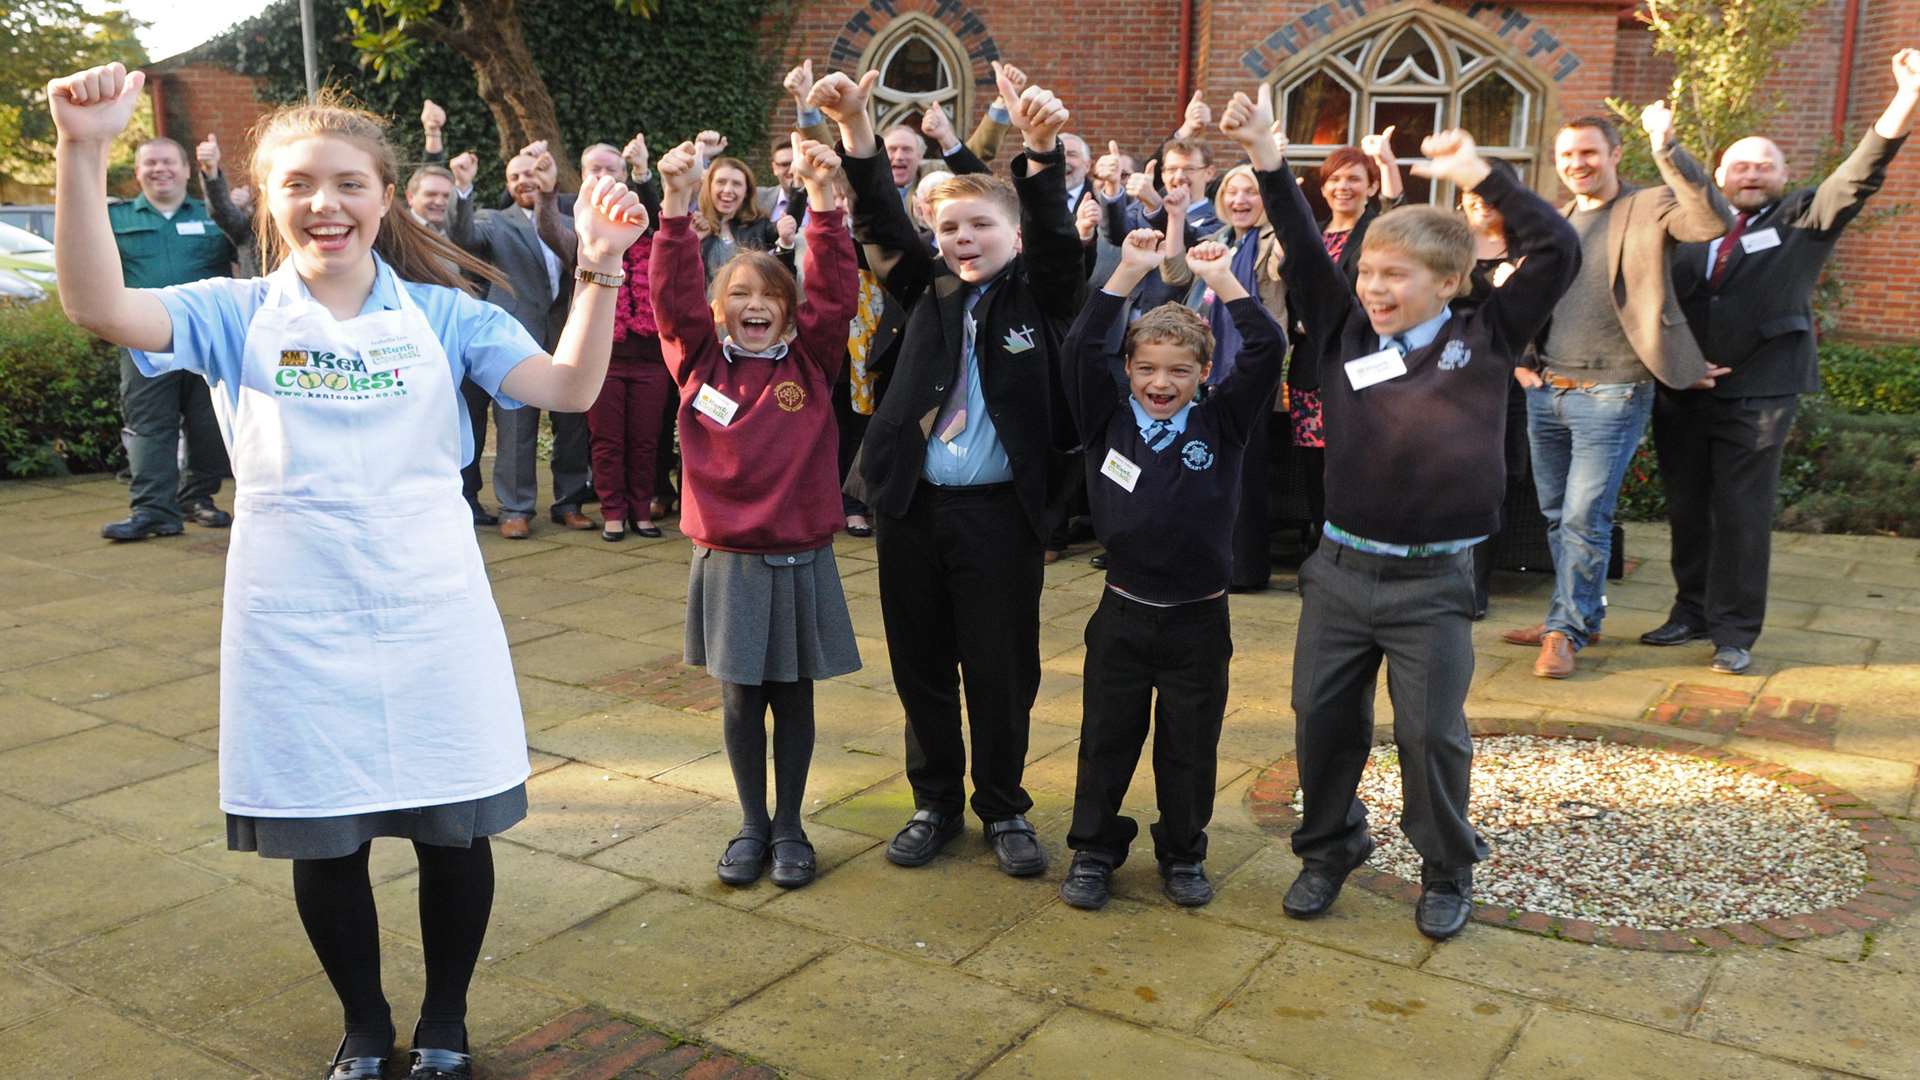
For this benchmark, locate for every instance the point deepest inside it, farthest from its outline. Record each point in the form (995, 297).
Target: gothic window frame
(891, 105)
(1466, 56)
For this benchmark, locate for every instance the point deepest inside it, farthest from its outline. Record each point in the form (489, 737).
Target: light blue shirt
(975, 456)
(1178, 421)
(1419, 337)
(210, 320)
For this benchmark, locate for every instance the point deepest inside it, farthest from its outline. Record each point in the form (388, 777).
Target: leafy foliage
(41, 40)
(385, 32)
(59, 394)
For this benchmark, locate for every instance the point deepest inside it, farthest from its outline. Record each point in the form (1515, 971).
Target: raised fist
(635, 152)
(208, 152)
(813, 162)
(799, 81)
(433, 118)
(1016, 82)
(608, 218)
(464, 168)
(840, 97)
(1140, 187)
(677, 169)
(937, 126)
(1086, 219)
(1657, 121)
(1451, 155)
(1209, 259)
(94, 105)
(1906, 71)
(1198, 115)
(710, 145)
(1249, 120)
(546, 172)
(1106, 171)
(785, 228)
(1142, 249)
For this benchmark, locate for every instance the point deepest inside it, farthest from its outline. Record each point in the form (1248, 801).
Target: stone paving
(132, 944)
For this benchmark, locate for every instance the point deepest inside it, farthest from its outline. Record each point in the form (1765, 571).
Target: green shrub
(59, 395)
(1871, 379)
(1862, 475)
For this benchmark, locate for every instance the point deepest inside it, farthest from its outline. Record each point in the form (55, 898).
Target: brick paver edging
(1893, 868)
(590, 1043)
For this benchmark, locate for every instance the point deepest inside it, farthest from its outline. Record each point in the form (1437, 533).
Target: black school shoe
(793, 862)
(926, 832)
(1444, 908)
(1017, 847)
(1314, 891)
(1672, 632)
(744, 860)
(433, 1063)
(209, 516)
(1088, 881)
(355, 1068)
(1186, 884)
(139, 526)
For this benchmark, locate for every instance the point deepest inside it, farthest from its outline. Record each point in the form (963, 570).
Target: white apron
(363, 666)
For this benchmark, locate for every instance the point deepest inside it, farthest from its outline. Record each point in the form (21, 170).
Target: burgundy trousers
(624, 426)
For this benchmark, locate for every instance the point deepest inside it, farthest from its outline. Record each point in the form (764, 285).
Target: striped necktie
(1158, 435)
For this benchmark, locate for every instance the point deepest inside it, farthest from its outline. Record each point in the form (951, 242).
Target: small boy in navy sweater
(1415, 395)
(1163, 478)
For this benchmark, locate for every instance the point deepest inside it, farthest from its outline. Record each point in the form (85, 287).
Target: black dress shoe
(1098, 562)
(140, 526)
(926, 832)
(792, 862)
(1016, 847)
(1672, 632)
(432, 1063)
(651, 532)
(208, 515)
(481, 517)
(1731, 660)
(744, 860)
(1087, 885)
(1314, 891)
(1444, 908)
(355, 1068)
(1186, 884)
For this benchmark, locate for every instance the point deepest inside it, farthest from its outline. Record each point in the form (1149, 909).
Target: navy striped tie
(1159, 435)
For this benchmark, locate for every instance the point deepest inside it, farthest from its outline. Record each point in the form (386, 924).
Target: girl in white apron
(365, 685)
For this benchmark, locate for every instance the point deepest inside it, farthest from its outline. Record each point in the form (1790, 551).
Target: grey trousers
(154, 410)
(1357, 609)
(515, 465)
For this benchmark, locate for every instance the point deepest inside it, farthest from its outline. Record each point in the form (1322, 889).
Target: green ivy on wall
(694, 64)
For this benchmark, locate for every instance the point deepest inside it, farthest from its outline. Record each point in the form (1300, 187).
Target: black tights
(335, 898)
(745, 732)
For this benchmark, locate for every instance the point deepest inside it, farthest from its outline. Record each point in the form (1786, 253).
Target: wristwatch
(595, 277)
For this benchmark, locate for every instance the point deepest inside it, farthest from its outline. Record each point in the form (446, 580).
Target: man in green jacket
(167, 238)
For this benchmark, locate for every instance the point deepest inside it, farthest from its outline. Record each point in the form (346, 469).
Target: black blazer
(1037, 295)
(1759, 322)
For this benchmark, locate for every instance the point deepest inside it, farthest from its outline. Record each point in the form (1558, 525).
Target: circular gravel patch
(1632, 836)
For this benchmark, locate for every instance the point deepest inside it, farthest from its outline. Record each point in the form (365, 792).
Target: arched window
(1419, 75)
(921, 64)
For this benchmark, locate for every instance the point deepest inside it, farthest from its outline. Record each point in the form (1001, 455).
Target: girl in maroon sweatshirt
(758, 446)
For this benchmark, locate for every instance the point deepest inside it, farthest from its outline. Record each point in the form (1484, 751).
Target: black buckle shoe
(793, 862)
(1017, 847)
(1731, 660)
(208, 515)
(1444, 908)
(1672, 632)
(744, 860)
(355, 1068)
(926, 832)
(1314, 891)
(140, 526)
(1186, 884)
(1087, 885)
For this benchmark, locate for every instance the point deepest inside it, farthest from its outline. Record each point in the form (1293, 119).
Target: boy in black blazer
(961, 457)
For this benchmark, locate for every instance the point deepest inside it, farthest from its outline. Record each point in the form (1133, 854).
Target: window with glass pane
(1494, 112)
(915, 68)
(1411, 121)
(1319, 112)
(1410, 56)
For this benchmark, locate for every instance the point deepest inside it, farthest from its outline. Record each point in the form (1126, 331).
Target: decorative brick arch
(850, 45)
(1499, 26)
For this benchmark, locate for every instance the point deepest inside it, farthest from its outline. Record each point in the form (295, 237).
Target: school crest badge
(790, 396)
(1019, 341)
(1197, 456)
(1455, 355)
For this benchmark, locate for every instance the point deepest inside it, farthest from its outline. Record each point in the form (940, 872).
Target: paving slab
(1160, 966)
(1079, 1043)
(669, 958)
(176, 708)
(91, 761)
(681, 855)
(174, 812)
(900, 1009)
(87, 1041)
(1802, 1008)
(1658, 989)
(1359, 922)
(579, 809)
(833, 775)
(544, 702)
(535, 896)
(1577, 1046)
(31, 719)
(578, 657)
(31, 829)
(191, 629)
(391, 858)
(70, 892)
(1331, 1013)
(95, 676)
(25, 994)
(634, 738)
(25, 642)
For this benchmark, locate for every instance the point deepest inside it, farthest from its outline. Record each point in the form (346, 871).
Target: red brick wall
(191, 102)
(1878, 264)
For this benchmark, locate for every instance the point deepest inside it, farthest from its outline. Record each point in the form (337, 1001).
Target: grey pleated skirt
(755, 619)
(446, 825)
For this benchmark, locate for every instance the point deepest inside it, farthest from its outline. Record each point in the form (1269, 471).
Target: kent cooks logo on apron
(327, 375)
(790, 396)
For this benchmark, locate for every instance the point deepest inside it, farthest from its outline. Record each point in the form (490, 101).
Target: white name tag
(715, 405)
(1119, 470)
(191, 228)
(1378, 368)
(1760, 241)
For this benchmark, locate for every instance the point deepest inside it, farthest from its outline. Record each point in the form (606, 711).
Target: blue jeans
(1582, 441)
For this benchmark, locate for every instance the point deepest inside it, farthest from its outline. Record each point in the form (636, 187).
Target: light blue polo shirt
(210, 320)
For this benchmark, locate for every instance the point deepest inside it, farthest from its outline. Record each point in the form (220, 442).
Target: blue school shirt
(975, 456)
(210, 320)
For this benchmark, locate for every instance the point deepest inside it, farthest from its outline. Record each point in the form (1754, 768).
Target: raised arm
(961, 161)
(433, 121)
(462, 229)
(554, 230)
(1380, 149)
(895, 252)
(675, 276)
(1846, 190)
(1247, 392)
(1091, 359)
(89, 109)
(1048, 238)
(832, 275)
(1697, 212)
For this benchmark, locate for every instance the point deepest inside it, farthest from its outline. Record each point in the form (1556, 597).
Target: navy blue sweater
(1170, 539)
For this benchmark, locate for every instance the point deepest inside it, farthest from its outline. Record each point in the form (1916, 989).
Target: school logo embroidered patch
(1019, 341)
(1455, 355)
(790, 396)
(1196, 456)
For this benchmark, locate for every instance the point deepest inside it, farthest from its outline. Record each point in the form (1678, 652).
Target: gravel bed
(1629, 836)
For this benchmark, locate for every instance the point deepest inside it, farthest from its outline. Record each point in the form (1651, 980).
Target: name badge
(191, 228)
(1768, 237)
(715, 405)
(1119, 470)
(1378, 368)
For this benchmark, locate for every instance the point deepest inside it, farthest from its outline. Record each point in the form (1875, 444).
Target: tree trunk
(491, 38)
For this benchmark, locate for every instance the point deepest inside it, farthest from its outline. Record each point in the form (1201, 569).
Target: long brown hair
(749, 211)
(414, 251)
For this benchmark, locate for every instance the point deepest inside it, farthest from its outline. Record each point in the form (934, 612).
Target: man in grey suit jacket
(1617, 330)
(539, 299)
(1749, 302)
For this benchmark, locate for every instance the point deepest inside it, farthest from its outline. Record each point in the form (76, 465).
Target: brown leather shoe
(574, 519)
(1556, 656)
(514, 528)
(1530, 636)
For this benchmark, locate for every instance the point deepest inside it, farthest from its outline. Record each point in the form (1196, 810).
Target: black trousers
(1720, 465)
(1252, 548)
(156, 411)
(1357, 609)
(1134, 649)
(960, 577)
(479, 407)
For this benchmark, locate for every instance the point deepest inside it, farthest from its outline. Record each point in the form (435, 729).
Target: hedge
(59, 395)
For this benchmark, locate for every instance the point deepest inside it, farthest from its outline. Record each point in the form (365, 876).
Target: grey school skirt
(446, 825)
(755, 619)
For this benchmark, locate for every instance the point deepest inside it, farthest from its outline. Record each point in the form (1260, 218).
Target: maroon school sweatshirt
(769, 481)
